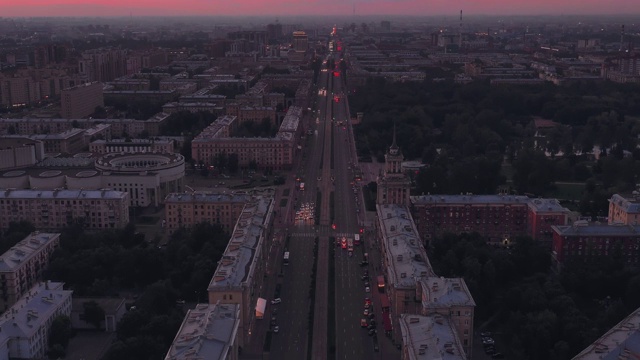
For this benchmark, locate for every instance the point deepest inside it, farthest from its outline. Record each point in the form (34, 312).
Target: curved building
(147, 177)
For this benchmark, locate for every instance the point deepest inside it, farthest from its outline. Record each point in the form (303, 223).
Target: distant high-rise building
(103, 64)
(81, 101)
(300, 41)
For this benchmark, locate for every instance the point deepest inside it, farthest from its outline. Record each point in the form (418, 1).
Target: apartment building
(210, 331)
(188, 209)
(617, 343)
(56, 209)
(275, 153)
(624, 209)
(450, 298)
(103, 64)
(542, 214)
(22, 265)
(25, 327)
(586, 242)
(498, 218)
(429, 337)
(81, 101)
(404, 261)
(67, 142)
(241, 273)
(18, 152)
(164, 146)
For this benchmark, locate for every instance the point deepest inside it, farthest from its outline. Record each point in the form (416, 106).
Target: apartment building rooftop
(26, 316)
(9, 194)
(438, 292)
(24, 250)
(546, 205)
(430, 338)
(583, 228)
(59, 136)
(468, 199)
(620, 342)
(206, 197)
(631, 204)
(238, 260)
(214, 129)
(291, 119)
(408, 260)
(207, 332)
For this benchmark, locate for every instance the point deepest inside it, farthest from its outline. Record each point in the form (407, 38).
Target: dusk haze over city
(30, 8)
(319, 180)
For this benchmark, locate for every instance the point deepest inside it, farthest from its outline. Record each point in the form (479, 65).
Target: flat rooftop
(21, 252)
(206, 197)
(597, 230)
(238, 260)
(620, 342)
(291, 119)
(407, 258)
(9, 194)
(207, 332)
(469, 199)
(430, 338)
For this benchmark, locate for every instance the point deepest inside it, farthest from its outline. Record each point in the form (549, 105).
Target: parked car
(276, 329)
(485, 334)
(363, 323)
(372, 332)
(366, 312)
(367, 289)
(488, 341)
(276, 301)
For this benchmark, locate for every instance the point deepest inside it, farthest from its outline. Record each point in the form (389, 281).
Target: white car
(367, 289)
(276, 301)
(276, 329)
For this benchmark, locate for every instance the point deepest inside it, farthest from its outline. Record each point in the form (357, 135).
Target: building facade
(542, 214)
(22, 265)
(18, 152)
(585, 242)
(186, 210)
(624, 209)
(429, 337)
(393, 185)
(56, 209)
(498, 218)
(81, 101)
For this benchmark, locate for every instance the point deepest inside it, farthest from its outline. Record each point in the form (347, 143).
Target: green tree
(93, 313)
(60, 331)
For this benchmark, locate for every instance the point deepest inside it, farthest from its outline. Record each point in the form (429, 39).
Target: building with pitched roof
(620, 342)
(429, 338)
(624, 209)
(187, 209)
(210, 331)
(22, 265)
(240, 274)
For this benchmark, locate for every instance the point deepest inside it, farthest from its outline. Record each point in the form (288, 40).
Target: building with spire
(393, 184)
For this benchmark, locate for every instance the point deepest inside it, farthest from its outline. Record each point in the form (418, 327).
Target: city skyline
(101, 8)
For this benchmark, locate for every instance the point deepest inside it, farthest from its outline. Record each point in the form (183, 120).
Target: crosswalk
(320, 232)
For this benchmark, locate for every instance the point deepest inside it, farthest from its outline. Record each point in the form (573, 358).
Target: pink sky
(10, 8)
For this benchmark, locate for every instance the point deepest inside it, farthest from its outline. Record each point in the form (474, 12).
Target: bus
(356, 239)
(286, 258)
(381, 283)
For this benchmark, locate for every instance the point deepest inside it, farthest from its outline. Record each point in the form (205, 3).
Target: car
(376, 348)
(366, 306)
(497, 356)
(276, 329)
(273, 323)
(367, 300)
(319, 178)
(367, 289)
(485, 334)
(372, 332)
(180, 302)
(363, 323)
(372, 322)
(372, 315)
(276, 301)
(490, 350)
(366, 283)
(371, 327)
(365, 277)
(366, 312)
(274, 311)
(488, 342)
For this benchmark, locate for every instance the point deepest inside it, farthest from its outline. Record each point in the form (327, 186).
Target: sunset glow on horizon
(27, 8)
